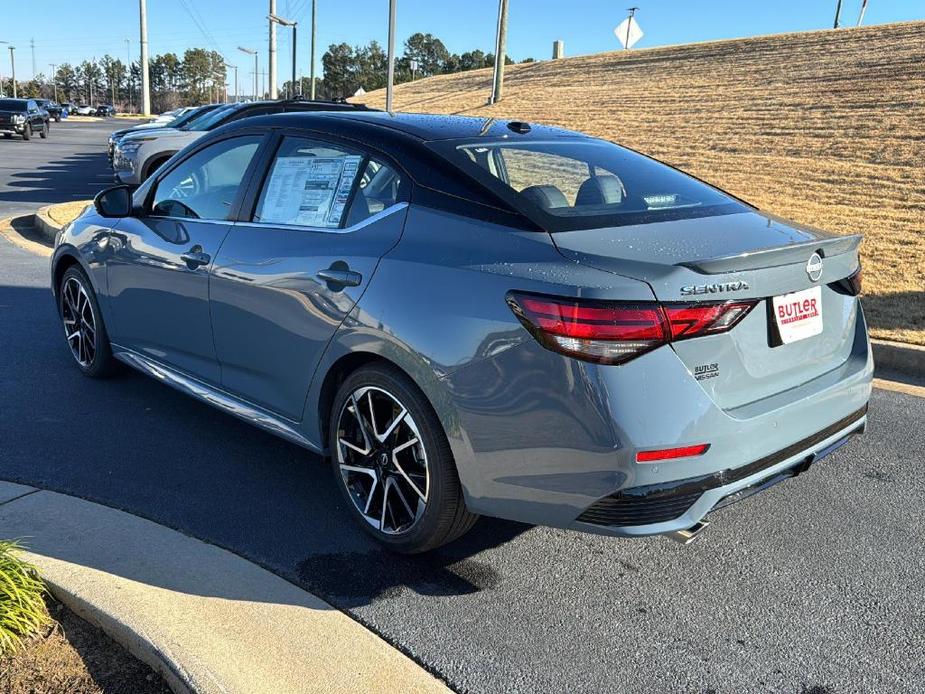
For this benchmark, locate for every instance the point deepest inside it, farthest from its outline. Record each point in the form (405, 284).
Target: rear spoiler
(774, 257)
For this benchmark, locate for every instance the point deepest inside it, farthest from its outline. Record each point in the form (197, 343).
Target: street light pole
(274, 93)
(145, 83)
(128, 74)
(274, 19)
(54, 78)
(251, 51)
(391, 80)
(313, 53)
(235, 68)
(13, 70)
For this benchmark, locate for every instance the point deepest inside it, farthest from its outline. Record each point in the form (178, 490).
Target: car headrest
(600, 190)
(359, 210)
(546, 197)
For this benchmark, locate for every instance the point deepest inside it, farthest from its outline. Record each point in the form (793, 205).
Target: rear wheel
(83, 325)
(393, 464)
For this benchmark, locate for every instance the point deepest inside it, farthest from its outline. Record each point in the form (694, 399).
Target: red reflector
(671, 453)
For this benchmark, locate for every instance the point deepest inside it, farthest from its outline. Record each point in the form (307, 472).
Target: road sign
(628, 33)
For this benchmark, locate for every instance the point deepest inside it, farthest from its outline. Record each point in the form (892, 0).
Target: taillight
(850, 285)
(671, 453)
(613, 332)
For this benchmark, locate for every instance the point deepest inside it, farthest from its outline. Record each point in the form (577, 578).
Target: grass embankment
(826, 128)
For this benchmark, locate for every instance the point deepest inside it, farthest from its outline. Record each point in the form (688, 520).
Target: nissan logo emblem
(814, 267)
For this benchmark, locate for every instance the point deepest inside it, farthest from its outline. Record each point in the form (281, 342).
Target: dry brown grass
(826, 128)
(67, 212)
(73, 657)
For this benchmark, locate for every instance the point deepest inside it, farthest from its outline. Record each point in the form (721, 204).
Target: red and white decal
(798, 315)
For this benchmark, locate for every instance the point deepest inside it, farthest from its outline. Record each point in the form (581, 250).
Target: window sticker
(309, 191)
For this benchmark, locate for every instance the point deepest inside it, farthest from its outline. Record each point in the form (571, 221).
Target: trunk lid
(747, 255)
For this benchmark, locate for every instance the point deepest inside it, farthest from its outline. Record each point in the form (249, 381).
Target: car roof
(421, 127)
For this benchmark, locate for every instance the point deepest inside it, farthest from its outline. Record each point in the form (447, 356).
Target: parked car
(137, 155)
(84, 110)
(52, 108)
(105, 111)
(178, 121)
(475, 316)
(23, 117)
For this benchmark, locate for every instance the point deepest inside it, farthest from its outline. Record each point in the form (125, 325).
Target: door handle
(194, 259)
(341, 278)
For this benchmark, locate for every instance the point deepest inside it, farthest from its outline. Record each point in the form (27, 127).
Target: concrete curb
(45, 225)
(899, 357)
(207, 620)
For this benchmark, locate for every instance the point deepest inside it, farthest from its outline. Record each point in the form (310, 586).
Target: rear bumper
(548, 440)
(680, 504)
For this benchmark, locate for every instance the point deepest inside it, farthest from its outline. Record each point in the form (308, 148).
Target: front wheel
(27, 133)
(393, 464)
(44, 133)
(83, 325)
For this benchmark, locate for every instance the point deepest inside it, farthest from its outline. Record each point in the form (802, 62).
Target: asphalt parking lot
(70, 165)
(814, 586)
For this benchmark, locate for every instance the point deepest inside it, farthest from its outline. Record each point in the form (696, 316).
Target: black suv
(22, 117)
(53, 108)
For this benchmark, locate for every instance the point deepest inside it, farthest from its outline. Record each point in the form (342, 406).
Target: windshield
(206, 120)
(189, 116)
(585, 183)
(12, 105)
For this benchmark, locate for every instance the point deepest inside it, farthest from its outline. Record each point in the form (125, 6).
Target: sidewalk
(206, 619)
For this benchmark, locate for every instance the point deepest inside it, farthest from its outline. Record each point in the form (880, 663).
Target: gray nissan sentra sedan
(478, 317)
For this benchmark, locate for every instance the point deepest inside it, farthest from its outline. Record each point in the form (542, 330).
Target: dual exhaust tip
(685, 537)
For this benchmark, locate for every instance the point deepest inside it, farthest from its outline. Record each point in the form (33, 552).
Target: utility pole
(32, 46)
(837, 14)
(391, 80)
(253, 52)
(54, 78)
(497, 87)
(274, 93)
(312, 89)
(1, 76)
(863, 10)
(145, 80)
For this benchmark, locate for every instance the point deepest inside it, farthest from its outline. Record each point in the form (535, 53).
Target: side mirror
(114, 202)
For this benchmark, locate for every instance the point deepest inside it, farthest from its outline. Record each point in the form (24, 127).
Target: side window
(378, 190)
(310, 184)
(205, 185)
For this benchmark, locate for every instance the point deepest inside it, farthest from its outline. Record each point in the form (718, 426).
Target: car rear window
(12, 105)
(585, 183)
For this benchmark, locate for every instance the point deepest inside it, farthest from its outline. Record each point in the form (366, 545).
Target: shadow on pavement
(133, 444)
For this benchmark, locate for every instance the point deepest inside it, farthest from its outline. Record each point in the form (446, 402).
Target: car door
(287, 276)
(158, 268)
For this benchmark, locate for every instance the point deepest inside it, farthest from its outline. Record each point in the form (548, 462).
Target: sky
(75, 30)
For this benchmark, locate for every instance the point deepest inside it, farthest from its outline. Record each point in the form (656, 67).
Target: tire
(44, 133)
(92, 352)
(414, 521)
(27, 133)
(57, 119)
(151, 168)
